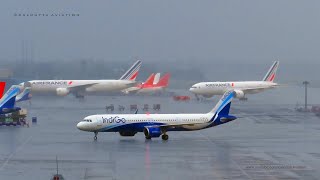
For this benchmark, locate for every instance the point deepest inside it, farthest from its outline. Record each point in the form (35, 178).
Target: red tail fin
(134, 76)
(164, 81)
(2, 87)
(150, 80)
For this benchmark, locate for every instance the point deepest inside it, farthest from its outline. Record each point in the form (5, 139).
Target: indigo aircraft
(156, 125)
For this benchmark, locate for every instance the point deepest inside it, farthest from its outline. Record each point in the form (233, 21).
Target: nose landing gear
(95, 136)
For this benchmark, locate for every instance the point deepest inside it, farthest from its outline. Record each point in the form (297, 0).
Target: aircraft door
(99, 122)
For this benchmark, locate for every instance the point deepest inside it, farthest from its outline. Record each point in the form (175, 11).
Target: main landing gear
(165, 137)
(95, 136)
(243, 99)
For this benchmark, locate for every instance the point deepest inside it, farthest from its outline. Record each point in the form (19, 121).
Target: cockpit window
(194, 87)
(87, 120)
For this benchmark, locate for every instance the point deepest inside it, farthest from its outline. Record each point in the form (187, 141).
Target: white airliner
(241, 88)
(82, 87)
(155, 125)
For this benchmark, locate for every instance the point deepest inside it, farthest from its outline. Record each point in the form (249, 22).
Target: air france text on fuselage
(219, 85)
(50, 83)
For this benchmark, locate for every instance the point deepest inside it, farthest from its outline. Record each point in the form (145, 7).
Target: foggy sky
(167, 30)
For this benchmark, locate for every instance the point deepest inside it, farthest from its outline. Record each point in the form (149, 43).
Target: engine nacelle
(62, 91)
(207, 96)
(11, 110)
(152, 131)
(127, 133)
(239, 94)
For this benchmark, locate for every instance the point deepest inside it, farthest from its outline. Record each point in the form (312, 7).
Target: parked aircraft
(82, 87)
(241, 88)
(155, 125)
(2, 88)
(7, 102)
(153, 84)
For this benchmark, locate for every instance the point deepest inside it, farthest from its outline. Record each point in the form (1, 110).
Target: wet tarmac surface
(268, 141)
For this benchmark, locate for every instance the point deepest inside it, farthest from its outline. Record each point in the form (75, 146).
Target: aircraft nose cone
(80, 126)
(193, 90)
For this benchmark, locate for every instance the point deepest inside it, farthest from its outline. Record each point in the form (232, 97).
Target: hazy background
(166, 30)
(194, 40)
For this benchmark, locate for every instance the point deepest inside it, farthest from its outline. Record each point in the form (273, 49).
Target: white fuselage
(218, 88)
(137, 122)
(151, 90)
(50, 86)
(145, 90)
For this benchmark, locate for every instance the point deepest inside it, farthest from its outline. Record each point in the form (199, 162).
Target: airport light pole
(305, 83)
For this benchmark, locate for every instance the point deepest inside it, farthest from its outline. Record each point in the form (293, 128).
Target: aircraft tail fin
(150, 80)
(9, 99)
(222, 108)
(164, 81)
(25, 95)
(271, 74)
(2, 88)
(132, 72)
(156, 79)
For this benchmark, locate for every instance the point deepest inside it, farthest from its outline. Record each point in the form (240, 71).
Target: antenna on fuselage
(136, 111)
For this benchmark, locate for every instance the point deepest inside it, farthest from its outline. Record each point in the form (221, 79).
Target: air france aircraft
(155, 125)
(7, 102)
(82, 87)
(241, 88)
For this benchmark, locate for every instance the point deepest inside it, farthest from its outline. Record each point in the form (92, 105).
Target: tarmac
(267, 141)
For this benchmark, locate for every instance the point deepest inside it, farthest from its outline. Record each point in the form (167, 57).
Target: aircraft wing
(81, 87)
(248, 90)
(178, 125)
(131, 90)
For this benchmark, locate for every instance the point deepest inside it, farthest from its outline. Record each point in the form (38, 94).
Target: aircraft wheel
(148, 137)
(165, 137)
(95, 136)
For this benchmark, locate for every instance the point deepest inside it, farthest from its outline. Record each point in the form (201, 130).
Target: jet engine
(62, 91)
(127, 133)
(207, 96)
(239, 94)
(152, 131)
(11, 110)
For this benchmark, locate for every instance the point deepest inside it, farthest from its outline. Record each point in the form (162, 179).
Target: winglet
(156, 78)
(132, 72)
(271, 74)
(2, 87)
